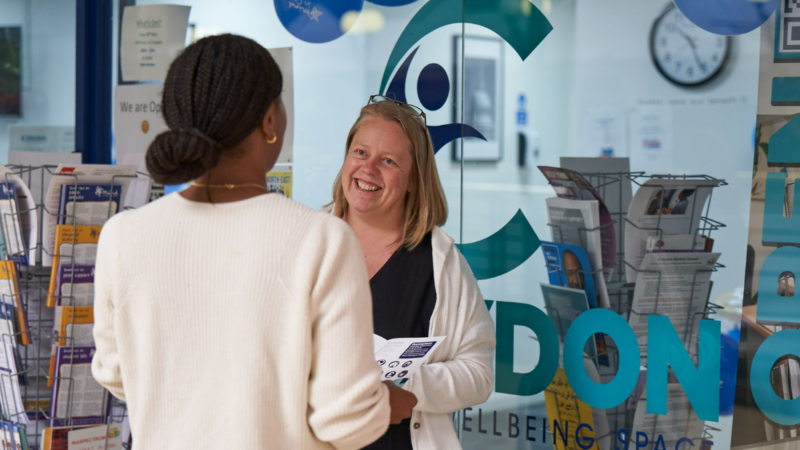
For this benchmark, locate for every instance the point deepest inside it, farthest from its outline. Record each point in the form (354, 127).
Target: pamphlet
(103, 437)
(10, 293)
(572, 185)
(662, 207)
(73, 326)
(74, 245)
(400, 358)
(678, 285)
(610, 175)
(16, 245)
(568, 265)
(77, 174)
(680, 422)
(679, 243)
(563, 306)
(11, 399)
(74, 285)
(88, 204)
(564, 408)
(87, 396)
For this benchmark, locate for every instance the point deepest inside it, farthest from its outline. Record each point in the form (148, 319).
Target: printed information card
(400, 358)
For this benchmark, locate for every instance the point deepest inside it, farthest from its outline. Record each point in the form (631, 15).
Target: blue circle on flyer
(392, 2)
(727, 17)
(315, 21)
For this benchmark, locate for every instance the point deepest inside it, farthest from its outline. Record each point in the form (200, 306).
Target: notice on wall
(604, 133)
(279, 180)
(151, 37)
(651, 138)
(137, 118)
(283, 56)
(42, 139)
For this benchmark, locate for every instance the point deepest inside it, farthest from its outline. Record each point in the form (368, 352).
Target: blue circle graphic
(315, 21)
(727, 17)
(392, 2)
(433, 86)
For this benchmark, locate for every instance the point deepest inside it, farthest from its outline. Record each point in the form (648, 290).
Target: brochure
(16, 245)
(680, 422)
(11, 399)
(678, 284)
(563, 305)
(74, 285)
(572, 185)
(28, 216)
(73, 326)
(679, 243)
(75, 245)
(88, 204)
(568, 265)
(610, 175)
(77, 174)
(90, 402)
(103, 437)
(400, 358)
(564, 408)
(10, 294)
(662, 207)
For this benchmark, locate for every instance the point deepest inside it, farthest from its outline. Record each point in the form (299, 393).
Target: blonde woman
(388, 191)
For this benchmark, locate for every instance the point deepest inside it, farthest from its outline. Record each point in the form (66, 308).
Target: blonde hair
(426, 205)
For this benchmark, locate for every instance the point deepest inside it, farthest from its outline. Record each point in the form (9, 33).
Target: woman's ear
(269, 123)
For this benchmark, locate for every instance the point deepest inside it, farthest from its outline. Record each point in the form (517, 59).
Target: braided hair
(216, 93)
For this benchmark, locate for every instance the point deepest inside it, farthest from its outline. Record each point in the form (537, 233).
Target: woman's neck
(376, 231)
(246, 169)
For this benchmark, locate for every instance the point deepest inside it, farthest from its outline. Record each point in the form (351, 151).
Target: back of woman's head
(216, 93)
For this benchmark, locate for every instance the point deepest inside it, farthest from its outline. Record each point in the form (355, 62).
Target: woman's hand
(401, 401)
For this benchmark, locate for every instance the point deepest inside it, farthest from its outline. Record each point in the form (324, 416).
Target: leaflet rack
(33, 360)
(620, 290)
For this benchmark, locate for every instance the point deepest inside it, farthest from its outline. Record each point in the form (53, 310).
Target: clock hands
(692, 45)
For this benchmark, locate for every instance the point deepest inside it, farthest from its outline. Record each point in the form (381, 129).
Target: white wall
(48, 63)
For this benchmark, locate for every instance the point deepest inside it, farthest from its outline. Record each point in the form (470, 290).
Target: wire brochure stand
(621, 293)
(29, 364)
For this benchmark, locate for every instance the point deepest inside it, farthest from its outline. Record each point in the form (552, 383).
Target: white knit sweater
(241, 325)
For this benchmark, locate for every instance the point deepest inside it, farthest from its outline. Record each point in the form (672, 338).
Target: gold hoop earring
(274, 138)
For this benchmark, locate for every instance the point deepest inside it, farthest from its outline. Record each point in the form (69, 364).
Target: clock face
(684, 53)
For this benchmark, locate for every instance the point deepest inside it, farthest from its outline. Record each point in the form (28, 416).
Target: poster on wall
(137, 117)
(283, 56)
(651, 138)
(483, 96)
(151, 37)
(604, 133)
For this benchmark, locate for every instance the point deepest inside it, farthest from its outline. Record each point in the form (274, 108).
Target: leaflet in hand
(400, 358)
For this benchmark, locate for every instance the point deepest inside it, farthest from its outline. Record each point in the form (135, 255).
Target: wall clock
(684, 53)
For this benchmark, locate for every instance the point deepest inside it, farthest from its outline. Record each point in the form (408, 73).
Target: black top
(403, 298)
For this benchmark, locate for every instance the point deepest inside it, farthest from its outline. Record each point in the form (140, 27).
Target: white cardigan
(459, 372)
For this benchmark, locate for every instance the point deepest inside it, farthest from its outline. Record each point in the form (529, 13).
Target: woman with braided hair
(225, 316)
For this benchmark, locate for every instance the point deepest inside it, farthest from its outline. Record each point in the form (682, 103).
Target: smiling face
(376, 176)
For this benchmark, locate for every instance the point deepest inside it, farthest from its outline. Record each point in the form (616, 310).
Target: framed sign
(482, 105)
